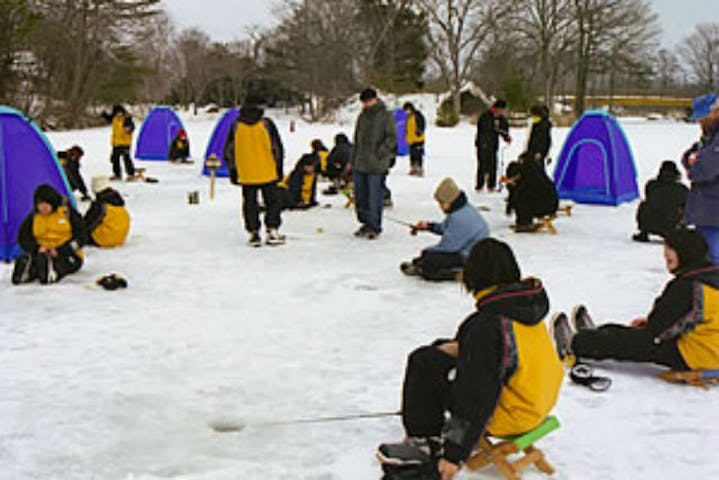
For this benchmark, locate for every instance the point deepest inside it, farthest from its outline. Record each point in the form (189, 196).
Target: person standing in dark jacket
(500, 375)
(70, 161)
(415, 137)
(375, 151)
(339, 164)
(51, 238)
(254, 157)
(663, 207)
(540, 137)
(702, 164)
(491, 125)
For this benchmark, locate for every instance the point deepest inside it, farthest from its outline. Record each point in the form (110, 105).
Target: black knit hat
(46, 194)
(368, 94)
(307, 160)
(500, 103)
(669, 169)
(690, 245)
(490, 263)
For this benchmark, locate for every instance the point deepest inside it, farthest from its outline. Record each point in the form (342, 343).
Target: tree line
(62, 61)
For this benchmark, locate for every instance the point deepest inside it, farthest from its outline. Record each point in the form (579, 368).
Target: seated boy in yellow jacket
(299, 189)
(107, 219)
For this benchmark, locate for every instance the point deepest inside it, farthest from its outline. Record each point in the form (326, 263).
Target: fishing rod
(220, 426)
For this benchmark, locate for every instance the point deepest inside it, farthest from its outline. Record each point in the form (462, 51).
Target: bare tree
(701, 52)
(667, 71)
(458, 30)
(155, 46)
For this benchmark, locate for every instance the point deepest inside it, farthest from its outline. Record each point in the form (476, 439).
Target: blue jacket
(462, 228)
(702, 208)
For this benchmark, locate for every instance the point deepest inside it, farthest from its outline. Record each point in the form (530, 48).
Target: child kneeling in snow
(107, 219)
(180, 148)
(500, 375)
(461, 230)
(682, 330)
(51, 237)
(299, 189)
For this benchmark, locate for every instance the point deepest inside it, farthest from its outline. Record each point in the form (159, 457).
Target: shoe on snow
(409, 268)
(361, 232)
(583, 374)
(274, 237)
(415, 459)
(115, 178)
(255, 239)
(562, 332)
(531, 228)
(640, 237)
(388, 203)
(581, 320)
(24, 270)
(371, 235)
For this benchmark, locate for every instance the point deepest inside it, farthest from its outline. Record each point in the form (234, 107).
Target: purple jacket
(703, 200)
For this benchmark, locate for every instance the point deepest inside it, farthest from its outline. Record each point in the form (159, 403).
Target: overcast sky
(229, 19)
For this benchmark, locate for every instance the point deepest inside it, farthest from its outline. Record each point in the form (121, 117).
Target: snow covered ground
(122, 385)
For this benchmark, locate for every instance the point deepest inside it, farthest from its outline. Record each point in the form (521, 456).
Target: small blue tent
(216, 144)
(702, 106)
(400, 120)
(156, 134)
(27, 160)
(596, 165)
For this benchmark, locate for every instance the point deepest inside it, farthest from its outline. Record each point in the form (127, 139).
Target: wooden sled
(544, 223)
(566, 209)
(140, 173)
(695, 378)
(497, 453)
(350, 194)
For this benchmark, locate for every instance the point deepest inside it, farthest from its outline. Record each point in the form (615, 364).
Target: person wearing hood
(532, 194)
(702, 165)
(51, 238)
(339, 168)
(321, 153)
(540, 136)
(415, 137)
(299, 188)
(107, 220)
(70, 161)
(180, 148)
(681, 331)
(663, 207)
(462, 228)
(499, 376)
(254, 156)
(375, 151)
(491, 125)
(121, 140)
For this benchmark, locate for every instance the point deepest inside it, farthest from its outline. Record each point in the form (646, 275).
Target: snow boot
(581, 320)
(361, 232)
(409, 269)
(641, 237)
(255, 239)
(415, 459)
(371, 235)
(274, 237)
(24, 270)
(388, 203)
(46, 269)
(563, 334)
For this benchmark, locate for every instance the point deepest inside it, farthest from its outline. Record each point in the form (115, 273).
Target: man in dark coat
(540, 137)
(663, 207)
(374, 154)
(70, 161)
(491, 125)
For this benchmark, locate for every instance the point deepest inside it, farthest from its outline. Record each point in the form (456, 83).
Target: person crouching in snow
(70, 161)
(663, 207)
(107, 219)
(532, 193)
(299, 189)
(321, 153)
(180, 148)
(461, 230)
(51, 238)
(682, 330)
(339, 167)
(500, 376)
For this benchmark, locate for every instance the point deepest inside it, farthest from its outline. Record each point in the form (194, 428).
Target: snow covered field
(122, 385)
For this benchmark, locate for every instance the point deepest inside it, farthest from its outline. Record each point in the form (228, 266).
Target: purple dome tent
(596, 165)
(27, 160)
(400, 119)
(156, 134)
(216, 144)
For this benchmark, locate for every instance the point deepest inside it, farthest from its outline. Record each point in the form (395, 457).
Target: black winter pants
(251, 209)
(42, 267)
(123, 152)
(427, 392)
(438, 265)
(617, 342)
(416, 154)
(486, 168)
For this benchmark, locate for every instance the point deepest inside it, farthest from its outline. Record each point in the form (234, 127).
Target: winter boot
(563, 334)
(415, 459)
(420, 172)
(409, 269)
(641, 237)
(24, 270)
(581, 320)
(46, 269)
(274, 237)
(361, 232)
(255, 239)
(371, 235)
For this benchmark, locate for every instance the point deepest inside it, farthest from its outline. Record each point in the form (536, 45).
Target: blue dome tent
(156, 134)
(400, 120)
(216, 144)
(27, 160)
(596, 165)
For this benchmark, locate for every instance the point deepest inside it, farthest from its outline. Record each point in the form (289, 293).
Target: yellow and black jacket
(179, 149)
(63, 230)
(122, 129)
(107, 219)
(687, 312)
(300, 188)
(508, 372)
(253, 150)
(71, 165)
(415, 128)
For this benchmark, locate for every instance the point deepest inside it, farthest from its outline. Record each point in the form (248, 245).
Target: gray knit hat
(447, 191)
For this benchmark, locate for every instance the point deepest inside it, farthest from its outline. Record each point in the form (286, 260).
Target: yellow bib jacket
(254, 160)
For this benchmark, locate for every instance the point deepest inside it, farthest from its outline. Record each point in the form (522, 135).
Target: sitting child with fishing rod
(462, 228)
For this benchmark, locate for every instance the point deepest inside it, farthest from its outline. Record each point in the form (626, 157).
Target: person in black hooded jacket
(51, 238)
(540, 137)
(532, 193)
(500, 375)
(663, 207)
(70, 161)
(339, 168)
